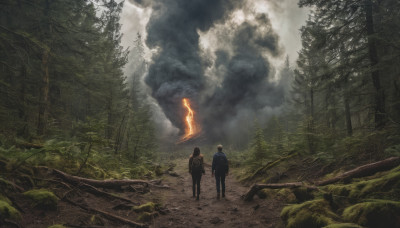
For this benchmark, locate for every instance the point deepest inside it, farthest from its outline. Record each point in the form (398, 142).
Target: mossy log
(360, 171)
(257, 187)
(99, 183)
(364, 170)
(107, 215)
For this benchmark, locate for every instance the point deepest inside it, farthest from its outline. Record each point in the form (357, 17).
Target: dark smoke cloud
(242, 89)
(177, 70)
(246, 84)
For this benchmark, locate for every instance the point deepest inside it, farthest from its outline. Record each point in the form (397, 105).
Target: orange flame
(191, 126)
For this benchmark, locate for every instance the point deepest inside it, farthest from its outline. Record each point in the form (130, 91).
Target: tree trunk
(310, 127)
(380, 118)
(45, 84)
(44, 94)
(23, 132)
(348, 116)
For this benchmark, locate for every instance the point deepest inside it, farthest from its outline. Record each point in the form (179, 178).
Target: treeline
(61, 77)
(344, 93)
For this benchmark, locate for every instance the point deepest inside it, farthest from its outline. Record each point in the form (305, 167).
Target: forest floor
(231, 211)
(177, 207)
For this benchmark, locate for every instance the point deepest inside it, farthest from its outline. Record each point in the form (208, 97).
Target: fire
(191, 126)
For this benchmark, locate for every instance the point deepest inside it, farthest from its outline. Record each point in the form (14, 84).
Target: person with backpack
(196, 168)
(220, 169)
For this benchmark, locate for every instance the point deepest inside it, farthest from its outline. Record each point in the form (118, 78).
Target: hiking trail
(231, 211)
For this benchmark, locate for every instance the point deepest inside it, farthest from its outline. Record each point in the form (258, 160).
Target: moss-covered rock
(287, 195)
(57, 226)
(42, 198)
(376, 213)
(147, 207)
(266, 193)
(303, 194)
(310, 214)
(8, 211)
(343, 225)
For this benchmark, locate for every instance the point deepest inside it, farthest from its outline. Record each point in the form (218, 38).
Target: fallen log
(99, 183)
(363, 171)
(272, 164)
(107, 215)
(257, 187)
(360, 171)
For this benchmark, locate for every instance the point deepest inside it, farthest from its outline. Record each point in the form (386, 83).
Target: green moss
(343, 225)
(96, 220)
(303, 194)
(5, 184)
(9, 212)
(5, 199)
(376, 213)
(266, 193)
(147, 207)
(287, 195)
(310, 214)
(146, 217)
(42, 198)
(57, 226)
(385, 187)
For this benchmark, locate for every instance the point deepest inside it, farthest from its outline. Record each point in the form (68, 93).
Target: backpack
(196, 164)
(221, 163)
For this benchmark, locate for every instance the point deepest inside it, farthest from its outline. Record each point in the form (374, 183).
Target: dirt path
(231, 211)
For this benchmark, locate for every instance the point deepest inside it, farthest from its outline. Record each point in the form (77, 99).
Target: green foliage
(375, 213)
(8, 212)
(88, 114)
(42, 198)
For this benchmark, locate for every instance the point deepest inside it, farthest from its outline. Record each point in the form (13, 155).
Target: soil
(178, 207)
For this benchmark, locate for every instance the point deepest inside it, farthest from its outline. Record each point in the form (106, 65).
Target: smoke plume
(177, 69)
(230, 83)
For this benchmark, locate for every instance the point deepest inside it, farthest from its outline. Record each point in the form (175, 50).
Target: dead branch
(55, 181)
(12, 223)
(97, 191)
(363, 171)
(98, 183)
(257, 187)
(107, 215)
(272, 164)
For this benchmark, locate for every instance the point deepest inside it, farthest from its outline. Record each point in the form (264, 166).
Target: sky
(224, 55)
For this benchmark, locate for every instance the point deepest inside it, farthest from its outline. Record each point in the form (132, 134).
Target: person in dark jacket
(220, 169)
(196, 168)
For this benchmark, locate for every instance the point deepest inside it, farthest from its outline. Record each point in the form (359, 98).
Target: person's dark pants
(196, 178)
(220, 180)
